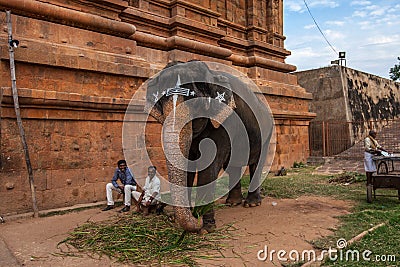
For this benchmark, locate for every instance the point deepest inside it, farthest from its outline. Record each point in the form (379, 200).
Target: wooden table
(386, 176)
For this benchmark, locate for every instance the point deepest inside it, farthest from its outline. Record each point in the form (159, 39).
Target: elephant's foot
(208, 228)
(234, 199)
(252, 200)
(251, 205)
(208, 224)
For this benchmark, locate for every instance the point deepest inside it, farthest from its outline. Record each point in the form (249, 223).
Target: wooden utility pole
(11, 43)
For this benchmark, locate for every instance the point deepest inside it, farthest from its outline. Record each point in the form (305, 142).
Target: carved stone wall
(79, 62)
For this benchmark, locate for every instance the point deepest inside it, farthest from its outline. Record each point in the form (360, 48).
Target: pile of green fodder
(136, 239)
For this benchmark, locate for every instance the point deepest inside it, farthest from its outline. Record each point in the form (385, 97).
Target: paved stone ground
(6, 256)
(340, 165)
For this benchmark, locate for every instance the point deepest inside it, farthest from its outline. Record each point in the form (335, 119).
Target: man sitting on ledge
(150, 194)
(126, 177)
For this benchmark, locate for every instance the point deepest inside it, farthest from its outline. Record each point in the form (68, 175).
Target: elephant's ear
(152, 105)
(223, 113)
(226, 101)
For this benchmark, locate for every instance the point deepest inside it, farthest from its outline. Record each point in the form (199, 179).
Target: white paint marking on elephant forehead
(155, 97)
(220, 97)
(174, 99)
(178, 82)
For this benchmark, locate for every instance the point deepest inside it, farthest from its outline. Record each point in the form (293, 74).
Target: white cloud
(309, 26)
(334, 35)
(294, 6)
(303, 41)
(392, 23)
(371, 7)
(359, 13)
(299, 6)
(378, 12)
(365, 25)
(378, 16)
(323, 3)
(335, 23)
(311, 58)
(394, 10)
(305, 52)
(383, 40)
(360, 3)
(372, 11)
(389, 20)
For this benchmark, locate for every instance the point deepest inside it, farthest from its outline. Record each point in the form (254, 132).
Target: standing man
(126, 177)
(371, 148)
(150, 194)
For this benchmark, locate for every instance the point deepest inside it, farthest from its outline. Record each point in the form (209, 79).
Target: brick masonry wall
(326, 85)
(343, 94)
(371, 97)
(75, 79)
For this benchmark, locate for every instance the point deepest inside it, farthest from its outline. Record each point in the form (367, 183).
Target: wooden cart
(387, 175)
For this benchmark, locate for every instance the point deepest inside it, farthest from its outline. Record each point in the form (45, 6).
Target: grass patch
(302, 181)
(134, 239)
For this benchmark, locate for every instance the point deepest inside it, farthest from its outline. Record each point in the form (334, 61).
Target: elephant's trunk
(177, 141)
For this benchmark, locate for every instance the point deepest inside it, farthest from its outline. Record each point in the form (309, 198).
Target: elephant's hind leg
(235, 196)
(253, 197)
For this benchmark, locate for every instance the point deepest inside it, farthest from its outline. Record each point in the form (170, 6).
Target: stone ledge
(64, 99)
(293, 115)
(43, 213)
(281, 89)
(34, 51)
(195, 8)
(132, 14)
(196, 27)
(62, 15)
(178, 22)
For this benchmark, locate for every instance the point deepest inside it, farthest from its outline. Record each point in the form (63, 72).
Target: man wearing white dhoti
(372, 148)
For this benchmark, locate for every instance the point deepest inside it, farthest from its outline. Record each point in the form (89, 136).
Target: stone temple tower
(80, 61)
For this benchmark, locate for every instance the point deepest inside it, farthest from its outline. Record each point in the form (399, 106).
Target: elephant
(197, 105)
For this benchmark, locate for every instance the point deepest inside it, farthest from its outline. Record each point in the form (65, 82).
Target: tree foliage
(395, 71)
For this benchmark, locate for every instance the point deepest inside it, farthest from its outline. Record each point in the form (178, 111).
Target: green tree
(395, 71)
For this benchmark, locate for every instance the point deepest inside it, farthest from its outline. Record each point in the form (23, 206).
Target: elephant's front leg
(253, 197)
(235, 196)
(191, 174)
(205, 196)
(190, 181)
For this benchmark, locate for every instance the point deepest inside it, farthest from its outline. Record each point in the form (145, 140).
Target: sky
(368, 31)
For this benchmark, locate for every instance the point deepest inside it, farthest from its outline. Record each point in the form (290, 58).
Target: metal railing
(345, 139)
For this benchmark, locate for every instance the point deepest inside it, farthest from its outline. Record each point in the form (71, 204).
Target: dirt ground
(287, 224)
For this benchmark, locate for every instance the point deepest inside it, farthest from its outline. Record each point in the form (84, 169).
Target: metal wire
(316, 24)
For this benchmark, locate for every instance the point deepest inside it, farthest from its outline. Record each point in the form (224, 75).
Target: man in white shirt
(150, 194)
(372, 148)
